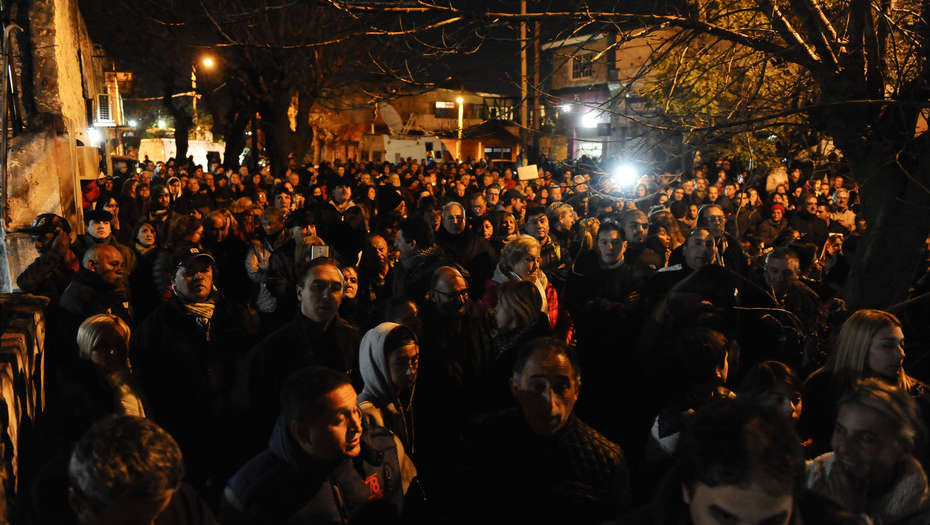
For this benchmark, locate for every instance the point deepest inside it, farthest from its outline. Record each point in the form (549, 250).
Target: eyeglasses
(463, 295)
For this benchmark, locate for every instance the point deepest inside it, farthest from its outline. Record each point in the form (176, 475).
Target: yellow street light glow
(208, 62)
(460, 100)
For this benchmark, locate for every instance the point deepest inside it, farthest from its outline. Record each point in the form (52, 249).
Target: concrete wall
(44, 163)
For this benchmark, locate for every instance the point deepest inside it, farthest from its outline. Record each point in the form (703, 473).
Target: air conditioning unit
(103, 112)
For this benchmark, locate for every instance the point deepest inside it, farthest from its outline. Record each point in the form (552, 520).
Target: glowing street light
(133, 123)
(461, 103)
(94, 136)
(624, 176)
(566, 108)
(208, 63)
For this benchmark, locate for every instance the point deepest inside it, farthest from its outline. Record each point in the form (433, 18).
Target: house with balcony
(347, 126)
(593, 86)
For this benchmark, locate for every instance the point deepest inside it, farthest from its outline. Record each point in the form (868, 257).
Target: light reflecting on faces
(337, 432)
(610, 246)
(864, 443)
(526, 267)
(886, 353)
(738, 505)
(403, 364)
(546, 390)
(320, 295)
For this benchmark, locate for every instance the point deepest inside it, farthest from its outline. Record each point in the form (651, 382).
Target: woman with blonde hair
(103, 340)
(870, 344)
(519, 261)
(99, 382)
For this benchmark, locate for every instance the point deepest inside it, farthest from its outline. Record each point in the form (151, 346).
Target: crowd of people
(407, 342)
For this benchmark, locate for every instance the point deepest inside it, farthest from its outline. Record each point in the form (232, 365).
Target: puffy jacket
(284, 484)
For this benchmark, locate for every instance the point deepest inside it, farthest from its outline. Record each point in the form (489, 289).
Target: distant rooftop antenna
(391, 117)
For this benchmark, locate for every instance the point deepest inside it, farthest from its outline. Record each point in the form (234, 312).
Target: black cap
(98, 215)
(513, 194)
(187, 256)
(47, 223)
(533, 211)
(302, 218)
(341, 181)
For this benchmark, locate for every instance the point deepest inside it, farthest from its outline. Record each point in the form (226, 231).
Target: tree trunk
(897, 210)
(235, 139)
(304, 136)
(280, 141)
(892, 168)
(182, 123)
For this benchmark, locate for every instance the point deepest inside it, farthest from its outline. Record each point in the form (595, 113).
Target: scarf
(201, 313)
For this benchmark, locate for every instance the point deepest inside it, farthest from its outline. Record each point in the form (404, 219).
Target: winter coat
(769, 230)
(89, 295)
(412, 277)
(550, 298)
(257, 263)
(142, 284)
(48, 275)
(191, 371)
(907, 501)
(284, 484)
(471, 252)
(573, 476)
(299, 343)
(84, 242)
(378, 399)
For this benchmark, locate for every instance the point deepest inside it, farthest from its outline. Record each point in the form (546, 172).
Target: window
(497, 153)
(591, 149)
(446, 110)
(582, 66)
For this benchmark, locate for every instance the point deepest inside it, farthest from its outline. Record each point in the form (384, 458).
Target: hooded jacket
(284, 484)
(378, 401)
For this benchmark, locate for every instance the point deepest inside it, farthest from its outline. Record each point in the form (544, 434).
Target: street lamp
(461, 103)
(208, 63)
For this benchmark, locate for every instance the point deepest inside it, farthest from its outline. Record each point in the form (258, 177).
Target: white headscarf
(373, 364)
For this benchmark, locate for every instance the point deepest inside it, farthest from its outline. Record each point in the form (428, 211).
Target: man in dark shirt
(316, 336)
(52, 271)
(540, 463)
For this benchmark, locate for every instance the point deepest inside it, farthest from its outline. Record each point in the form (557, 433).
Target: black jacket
(48, 275)
(471, 252)
(89, 295)
(298, 344)
(573, 476)
(191, 373)
(284, 484)
(813, 229)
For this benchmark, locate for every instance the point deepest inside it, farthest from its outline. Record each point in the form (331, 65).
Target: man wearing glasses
(454, 383)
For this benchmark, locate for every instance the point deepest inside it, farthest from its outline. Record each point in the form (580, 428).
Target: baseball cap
(186, 257)
(98, 215)
(46, 223)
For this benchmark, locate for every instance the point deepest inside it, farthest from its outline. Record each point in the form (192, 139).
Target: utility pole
(524, 91)
(537, 121)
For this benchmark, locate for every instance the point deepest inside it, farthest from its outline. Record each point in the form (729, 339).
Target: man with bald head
(454, 382)
(97, 288)
(465, 247)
